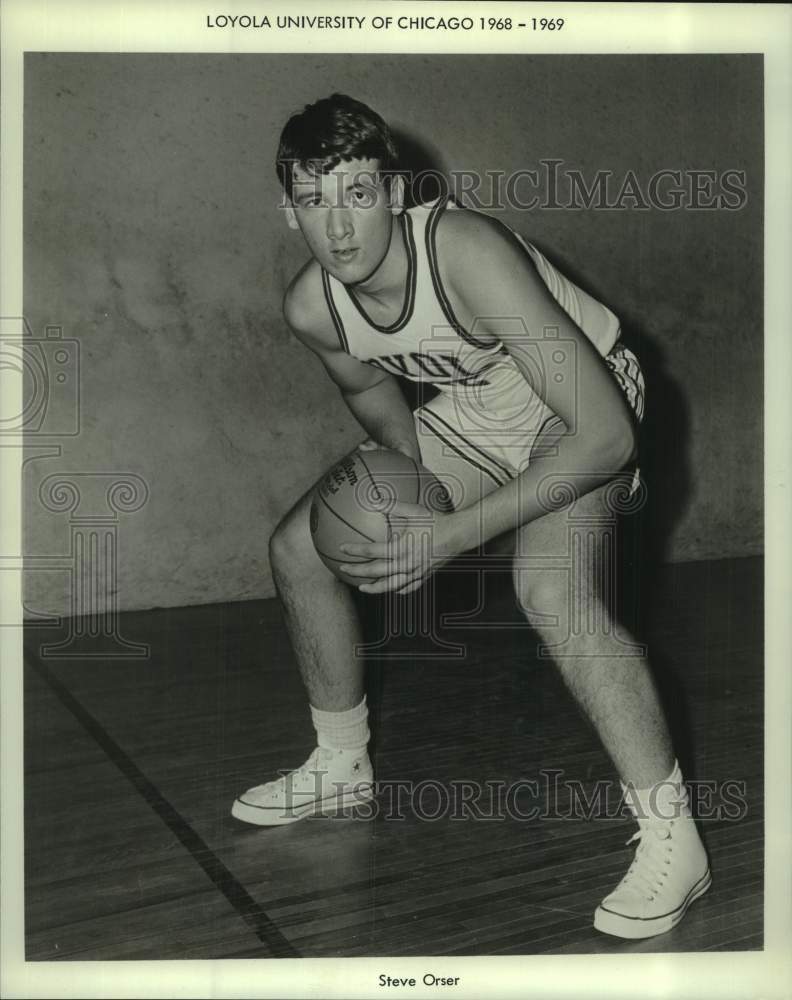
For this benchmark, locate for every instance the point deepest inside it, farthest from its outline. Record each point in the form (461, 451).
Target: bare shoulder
(475, 247)
(462, 232)
(305, 308)
(456, 223)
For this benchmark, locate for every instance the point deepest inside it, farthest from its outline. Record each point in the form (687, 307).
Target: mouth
(346, 255)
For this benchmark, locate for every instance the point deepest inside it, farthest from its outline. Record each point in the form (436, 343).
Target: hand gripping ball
(353, 500)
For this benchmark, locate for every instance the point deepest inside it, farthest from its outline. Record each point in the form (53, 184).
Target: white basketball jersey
(426, 343)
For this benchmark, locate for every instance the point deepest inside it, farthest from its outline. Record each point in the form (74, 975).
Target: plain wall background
(153, 236)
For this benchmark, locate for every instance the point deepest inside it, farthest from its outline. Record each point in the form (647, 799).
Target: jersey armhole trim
(434, 270)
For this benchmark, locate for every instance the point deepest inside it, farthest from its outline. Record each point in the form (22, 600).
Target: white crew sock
(342, 730)
(666, 800)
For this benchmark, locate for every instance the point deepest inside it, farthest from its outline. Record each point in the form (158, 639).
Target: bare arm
(497, 293)
(491, 276)
(383, 413)
(373, 396)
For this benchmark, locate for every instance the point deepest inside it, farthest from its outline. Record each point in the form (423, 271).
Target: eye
(363, 196)
(309, 199)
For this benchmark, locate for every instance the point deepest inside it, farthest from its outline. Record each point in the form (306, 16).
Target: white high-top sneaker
(327, 782)
(670, 869)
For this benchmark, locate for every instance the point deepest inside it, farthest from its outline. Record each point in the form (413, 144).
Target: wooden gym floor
(131, 768)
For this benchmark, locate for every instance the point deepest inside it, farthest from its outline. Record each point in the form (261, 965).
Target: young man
(534, 421)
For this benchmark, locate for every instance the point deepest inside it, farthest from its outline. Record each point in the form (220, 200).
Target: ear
(397, 194)
(291, 218)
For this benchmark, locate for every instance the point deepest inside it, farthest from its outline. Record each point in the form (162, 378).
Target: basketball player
(536, 415)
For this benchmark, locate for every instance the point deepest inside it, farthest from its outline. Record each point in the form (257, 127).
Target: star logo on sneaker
(356, 766)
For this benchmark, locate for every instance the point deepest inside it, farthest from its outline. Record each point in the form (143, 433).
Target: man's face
(345, 216)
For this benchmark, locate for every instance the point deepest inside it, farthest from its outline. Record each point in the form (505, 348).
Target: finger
(410, 588)
(385, 584)
(396, 549)
(374, 569)
(395, 562)
(367, 550)
(400, 508)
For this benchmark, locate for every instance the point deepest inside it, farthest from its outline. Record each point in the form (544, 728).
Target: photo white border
(180, 26)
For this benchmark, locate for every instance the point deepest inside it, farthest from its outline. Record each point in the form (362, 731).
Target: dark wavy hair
(333, 129)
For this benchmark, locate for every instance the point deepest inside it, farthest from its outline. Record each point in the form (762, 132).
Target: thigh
(575, 550)
(596, 514)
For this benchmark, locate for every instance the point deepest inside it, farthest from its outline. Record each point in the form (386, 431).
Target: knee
(290, 545)
(542, 597)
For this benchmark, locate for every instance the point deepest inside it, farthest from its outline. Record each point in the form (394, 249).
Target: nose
(339, 224)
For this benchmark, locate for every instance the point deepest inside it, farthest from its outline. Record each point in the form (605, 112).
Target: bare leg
(324, 630)
(320, 615)
(609, 679)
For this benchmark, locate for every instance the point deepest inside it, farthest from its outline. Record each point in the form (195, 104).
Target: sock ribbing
(668, 799)
(346, 730)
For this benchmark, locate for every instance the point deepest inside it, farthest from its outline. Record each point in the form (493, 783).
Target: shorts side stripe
(458, 450)
(468, 444)
(639, 389)
(625, 369)
(633, 374)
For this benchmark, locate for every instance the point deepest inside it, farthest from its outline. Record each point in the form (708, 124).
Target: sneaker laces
(652, 861)
(305, 774)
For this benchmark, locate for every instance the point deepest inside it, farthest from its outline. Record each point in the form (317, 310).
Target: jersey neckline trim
(408, 306)
(337, 321)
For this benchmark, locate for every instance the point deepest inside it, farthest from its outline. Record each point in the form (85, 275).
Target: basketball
(352, 501)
